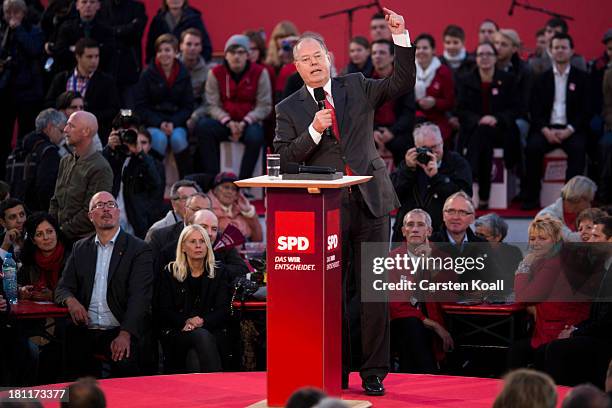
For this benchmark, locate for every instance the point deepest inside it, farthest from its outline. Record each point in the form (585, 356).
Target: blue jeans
(178, 140)
(211, 133)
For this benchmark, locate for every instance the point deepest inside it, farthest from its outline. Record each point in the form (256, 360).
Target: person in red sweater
(413, 321)
(541, 282)
(239, 98)
(434, 89)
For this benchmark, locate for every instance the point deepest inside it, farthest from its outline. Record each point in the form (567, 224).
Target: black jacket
(72, 31)
(453, 175)
(24, 47)
(39, 195)
(101, 98)
(367, 69)
(404, 108)
(576, 100)
(156, 103)
(523, 78)
(128, 20)
(176, 303)
(599, 323)
(504, 100)
(130, 279)
(191, 18)
(141, 182)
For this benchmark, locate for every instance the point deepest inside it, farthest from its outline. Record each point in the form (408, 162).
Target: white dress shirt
(100, 315)
(558, 115)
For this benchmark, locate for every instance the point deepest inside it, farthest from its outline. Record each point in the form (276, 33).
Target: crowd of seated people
(91, 230)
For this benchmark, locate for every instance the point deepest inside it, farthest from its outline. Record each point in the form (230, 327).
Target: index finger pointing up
(389, 11)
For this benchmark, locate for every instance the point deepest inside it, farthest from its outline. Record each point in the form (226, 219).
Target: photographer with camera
(136, 181)
(428, 176)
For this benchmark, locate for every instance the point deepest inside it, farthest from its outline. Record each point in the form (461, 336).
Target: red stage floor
(242, 389)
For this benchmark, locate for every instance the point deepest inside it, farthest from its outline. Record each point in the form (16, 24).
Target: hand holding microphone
(322, 121)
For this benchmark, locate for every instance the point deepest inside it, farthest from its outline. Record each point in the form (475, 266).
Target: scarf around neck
(49, 266)
(455, 61)
(174, 73)
(424, 77)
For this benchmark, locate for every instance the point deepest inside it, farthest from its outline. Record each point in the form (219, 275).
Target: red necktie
(336, 130)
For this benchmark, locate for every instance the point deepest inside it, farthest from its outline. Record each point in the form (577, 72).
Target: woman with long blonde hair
(193, 305)
(282, 31)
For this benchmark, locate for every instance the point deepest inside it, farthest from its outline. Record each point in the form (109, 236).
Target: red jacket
(442, 89)
(547, 280)
(240, 98)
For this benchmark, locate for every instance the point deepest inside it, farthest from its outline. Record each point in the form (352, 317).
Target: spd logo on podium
(294, 231)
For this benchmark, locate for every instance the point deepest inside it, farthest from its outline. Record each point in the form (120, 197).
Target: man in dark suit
(107, 285)
(98, 89)
(365, 210)
(559, 116)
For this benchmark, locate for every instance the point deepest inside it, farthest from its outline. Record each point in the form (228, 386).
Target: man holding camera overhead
(136, 180)
(428, 176)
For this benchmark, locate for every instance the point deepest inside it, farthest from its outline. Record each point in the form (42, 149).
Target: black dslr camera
(128, 136)
(124, 123)
(422, 154)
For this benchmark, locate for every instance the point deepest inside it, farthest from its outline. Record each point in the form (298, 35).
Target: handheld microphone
(319, 95)
(511, 11)
(295, 168)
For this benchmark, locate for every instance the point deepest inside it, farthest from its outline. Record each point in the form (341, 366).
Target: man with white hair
(80, 176)
(428, 176)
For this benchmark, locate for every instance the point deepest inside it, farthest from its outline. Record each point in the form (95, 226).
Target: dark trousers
(211, 133)
(85, 347)
(480, 156)
(360, 226)
(11, 112)
(196, 351)
(523, 355)
(538, 146)
(578, 360)
(413, 343)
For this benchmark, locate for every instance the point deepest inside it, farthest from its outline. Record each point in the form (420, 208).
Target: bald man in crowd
(81, 175)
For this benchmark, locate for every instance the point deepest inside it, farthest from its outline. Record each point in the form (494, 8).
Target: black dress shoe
(373, 385)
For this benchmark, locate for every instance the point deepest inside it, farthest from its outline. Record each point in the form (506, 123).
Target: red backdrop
(224, 18)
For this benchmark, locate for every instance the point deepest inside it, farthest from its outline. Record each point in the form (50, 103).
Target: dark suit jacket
(355, 99)
(576, 102)
(130, 279)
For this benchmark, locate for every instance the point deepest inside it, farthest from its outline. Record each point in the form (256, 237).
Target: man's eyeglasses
(108, 204)
(452, 211)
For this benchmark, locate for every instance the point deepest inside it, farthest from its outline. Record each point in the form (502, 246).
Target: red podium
(304, 305)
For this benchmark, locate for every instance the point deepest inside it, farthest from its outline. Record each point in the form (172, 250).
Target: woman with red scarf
(43, 258)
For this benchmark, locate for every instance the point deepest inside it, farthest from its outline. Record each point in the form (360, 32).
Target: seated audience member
(191, 57)
(412, 324)
(305, 397)
(585, 222)
(87, 24)
(12, 219)
(541, 280)
(239, 98)
(193, 304)
(232, 207)
(258, 51)
(136, 181)
(487, 30)
(80, 175)
(394, 120)
(174, 17)
(545, 60)
(455, 56)
(97, 88)
(359, 57)
(84, 393)
(559, 116)
(427, 185)
(127, 19)
(107, 287)
(280, 55)
(379, 29)
(164, 101)
(457, 215)
(179, 193)
(494, 229)
(541, 43)
(69, 102)
(228, 257)
(21, 80)
(576, 196)
(527, 389)
(582, 350)
(145, 141)
(42, 145)
(487, 106)
(434, 87)
(508, 43)
(586, 395)
(43, 258)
